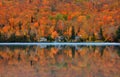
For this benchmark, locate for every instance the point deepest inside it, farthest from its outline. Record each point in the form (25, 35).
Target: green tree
(93, 38)
(100, 34)
(73, 33)
(118, 33)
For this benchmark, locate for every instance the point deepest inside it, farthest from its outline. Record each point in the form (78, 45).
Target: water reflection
(59, 61)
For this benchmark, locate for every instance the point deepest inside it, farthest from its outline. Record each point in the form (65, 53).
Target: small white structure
(59, 39)
(43, 39)
(77, 38)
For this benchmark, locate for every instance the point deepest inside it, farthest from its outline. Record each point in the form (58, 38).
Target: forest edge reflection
(61, 57)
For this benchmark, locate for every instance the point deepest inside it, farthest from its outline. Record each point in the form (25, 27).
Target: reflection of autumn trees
(63, 59)
(42, 18)
(53, 54)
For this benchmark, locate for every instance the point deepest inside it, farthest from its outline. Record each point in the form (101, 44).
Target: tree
(73, 33)
(20, 25)
(2, 37)
(93, 37)
(100, 34)
(118, 34)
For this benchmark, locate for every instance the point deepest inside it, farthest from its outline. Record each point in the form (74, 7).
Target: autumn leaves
(51, 19)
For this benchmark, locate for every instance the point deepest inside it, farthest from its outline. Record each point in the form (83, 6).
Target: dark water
(59, 61)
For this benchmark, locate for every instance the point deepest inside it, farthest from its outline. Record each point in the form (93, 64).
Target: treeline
(73, 38)
(59, 20)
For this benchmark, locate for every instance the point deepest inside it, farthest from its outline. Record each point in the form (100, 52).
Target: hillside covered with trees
(59, 20)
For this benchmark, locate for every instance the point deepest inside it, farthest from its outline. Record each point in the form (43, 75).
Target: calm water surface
(59, 61)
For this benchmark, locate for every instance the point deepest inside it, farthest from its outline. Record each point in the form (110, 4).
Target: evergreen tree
(73, 33)
(100, 34)
(118, 33)
(93, 37)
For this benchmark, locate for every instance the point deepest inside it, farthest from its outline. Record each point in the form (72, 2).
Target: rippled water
(59, 61)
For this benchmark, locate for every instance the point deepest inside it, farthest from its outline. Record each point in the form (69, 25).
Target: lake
(59, 60)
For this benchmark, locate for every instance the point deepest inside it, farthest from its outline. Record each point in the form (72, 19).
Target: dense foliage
(30, 20)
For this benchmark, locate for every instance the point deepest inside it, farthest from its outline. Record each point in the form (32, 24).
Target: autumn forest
(60, 20)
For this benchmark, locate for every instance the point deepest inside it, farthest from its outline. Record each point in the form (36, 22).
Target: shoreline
(63, 43)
